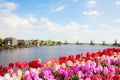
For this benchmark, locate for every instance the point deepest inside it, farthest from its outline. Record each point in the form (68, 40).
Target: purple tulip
(89, 73)
(35, 76)
(60, 71)
(66, 78)
(75, 69)
(108, 61)
(98, 69)
(80, 74)
(48, 74)
(70, 72)
(28, 77)
(66, 74)
(111, 69)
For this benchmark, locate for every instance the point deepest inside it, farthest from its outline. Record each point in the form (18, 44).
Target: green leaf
(58, 75)
(73, 77)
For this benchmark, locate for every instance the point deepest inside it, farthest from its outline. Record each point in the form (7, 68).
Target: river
(44, 52)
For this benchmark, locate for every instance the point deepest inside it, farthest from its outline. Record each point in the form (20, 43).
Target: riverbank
(22, 46)
(12, 47)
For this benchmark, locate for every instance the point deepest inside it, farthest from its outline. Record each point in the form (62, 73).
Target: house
(36, 42)
(21, 43)
(10, 41)
(27, 44)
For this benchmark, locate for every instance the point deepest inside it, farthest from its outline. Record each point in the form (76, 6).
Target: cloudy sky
(63, 20)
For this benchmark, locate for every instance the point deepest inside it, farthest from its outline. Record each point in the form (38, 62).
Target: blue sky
(63, 20)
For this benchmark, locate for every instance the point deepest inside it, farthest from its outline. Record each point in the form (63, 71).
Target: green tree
(59, 42)
(1, 41)
(30, 43)
(49, 42)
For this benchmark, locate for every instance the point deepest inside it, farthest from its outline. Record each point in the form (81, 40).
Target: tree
(1, 41)
(30, 43)
(49, 42)
(59, 42)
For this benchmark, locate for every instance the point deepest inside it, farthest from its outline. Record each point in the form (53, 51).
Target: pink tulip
(87, 78)
(69, 63)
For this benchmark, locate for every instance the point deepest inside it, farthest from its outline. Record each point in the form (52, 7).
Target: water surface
(45, 52)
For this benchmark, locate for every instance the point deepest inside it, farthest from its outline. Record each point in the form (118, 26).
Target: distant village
(14, 43)
(11, 42)
(115, 43)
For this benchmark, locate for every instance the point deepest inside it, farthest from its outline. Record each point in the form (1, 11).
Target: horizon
(64, 20)
(68, 41)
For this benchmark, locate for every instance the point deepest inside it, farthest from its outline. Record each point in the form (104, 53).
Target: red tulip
(88, 55)
(1, 73)
(83, 59)
(21, 66)
(33, 64)
(109, 76)
(71, 57)
(105, 52)
(38, 61)
(78, 57)
(11, 65)
(5, 69)
(116, 77)
(24, 63)
(30, 64)
(63, 59)
(94, 55)
(17, 64)
(117, 50)
(97, 77)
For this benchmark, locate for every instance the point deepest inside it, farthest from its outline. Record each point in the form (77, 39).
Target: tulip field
(101, 65)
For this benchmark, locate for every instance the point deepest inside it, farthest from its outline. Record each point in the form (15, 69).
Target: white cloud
(15, 21)
(13, 25)
(32, 19)
(6, 7)
(32, 27)
(59, 8)
(91, 13)
(69, 28)
(29, 27)
(91, 3)
(117, 3)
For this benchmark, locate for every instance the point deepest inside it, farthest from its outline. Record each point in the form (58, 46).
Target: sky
(61, 20)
